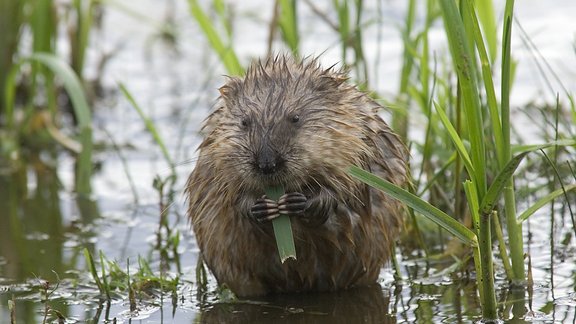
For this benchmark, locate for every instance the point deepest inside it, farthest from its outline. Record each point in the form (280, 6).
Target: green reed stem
(81, 108)
(79, 39)
(514, 228)
(225, 52)
(400, 118)
(462, 57)
(43, 23)
(485, 10)
(11, 21)
(288, 22)
(502, 245)
(341, 8)
(488, 81)
(150, 127)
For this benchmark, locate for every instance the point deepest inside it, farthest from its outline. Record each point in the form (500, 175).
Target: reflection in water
(359, 305)
(33, 235)
(31, 232)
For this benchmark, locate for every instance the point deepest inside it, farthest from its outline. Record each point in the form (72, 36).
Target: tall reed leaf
(82, 111)
(150, 126)
(462, 60)
(538, 147)
(226, 53)
(11, 21)
(507, 172)
(288, 22)
(543, 201)
(491, 197)
(104, 289)
(72, 85)
(486, 67)
(456, 140)
(485, 9)
(421, 206)
(79, 40)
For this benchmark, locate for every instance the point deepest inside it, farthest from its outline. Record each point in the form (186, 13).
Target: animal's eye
(245, 122)
(295, 119)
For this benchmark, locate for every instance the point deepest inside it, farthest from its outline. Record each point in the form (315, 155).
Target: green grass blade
(543, 201)
(502, 245)
(105, 283)
(499, 183)
(514, 228)
(473, 203)
(456, 140)
(537, 147)
(506, 74)
(149, 125)
(423, 207)
(9, 95)
(72, 85)
(282, 228)
(289, 24)
(487, 69)
(462, 59)
(82, 112)
(92, 269)
(80, 39)
(485, 9)
(507, 172)
(341, 8)
(226, 53)
(11, 22)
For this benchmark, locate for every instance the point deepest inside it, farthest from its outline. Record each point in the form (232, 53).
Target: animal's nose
(268, 160)
(267, 167)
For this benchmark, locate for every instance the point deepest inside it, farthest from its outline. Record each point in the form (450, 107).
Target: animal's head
(285, 123)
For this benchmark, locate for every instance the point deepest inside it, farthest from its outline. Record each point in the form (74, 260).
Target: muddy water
(45, 228)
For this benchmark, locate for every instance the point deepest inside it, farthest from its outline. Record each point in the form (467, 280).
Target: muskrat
(294, 124)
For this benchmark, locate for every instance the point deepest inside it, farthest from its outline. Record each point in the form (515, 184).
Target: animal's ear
(230, 89)
(339, 78)
(225, 91)
(331, 82)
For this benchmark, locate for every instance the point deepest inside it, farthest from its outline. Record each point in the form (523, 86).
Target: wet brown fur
(339, 127)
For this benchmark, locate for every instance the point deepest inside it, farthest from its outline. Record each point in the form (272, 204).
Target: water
(48, 226)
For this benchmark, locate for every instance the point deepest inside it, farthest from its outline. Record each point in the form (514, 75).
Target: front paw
(264, 209)
(293, 203)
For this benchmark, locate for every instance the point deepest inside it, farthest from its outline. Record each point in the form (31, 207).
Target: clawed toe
(265, 209)
(292, 204)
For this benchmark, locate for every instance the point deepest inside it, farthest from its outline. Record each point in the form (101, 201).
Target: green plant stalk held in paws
(282, 228)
